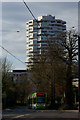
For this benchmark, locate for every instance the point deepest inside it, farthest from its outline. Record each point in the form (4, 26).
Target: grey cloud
(15, 11)
(42, 1)
(15, 16)
(15, 44)
(20, 14)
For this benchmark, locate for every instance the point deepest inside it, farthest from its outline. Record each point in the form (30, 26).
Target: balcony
(30, 22)
(31, 36)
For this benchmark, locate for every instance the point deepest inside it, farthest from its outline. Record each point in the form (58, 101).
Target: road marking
(20, 116)
(26, 114)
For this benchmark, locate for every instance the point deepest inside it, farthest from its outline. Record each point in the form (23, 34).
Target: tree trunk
(69, 91)
(53, 95)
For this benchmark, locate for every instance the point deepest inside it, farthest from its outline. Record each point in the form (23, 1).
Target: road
(23, 113)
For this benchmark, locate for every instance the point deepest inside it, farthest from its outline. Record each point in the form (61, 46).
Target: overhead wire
(33, 15)
(34, 19)
(12, 54)
(17, 31)
(29, 10)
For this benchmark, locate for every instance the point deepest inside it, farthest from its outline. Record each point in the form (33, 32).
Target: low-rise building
(19, 75)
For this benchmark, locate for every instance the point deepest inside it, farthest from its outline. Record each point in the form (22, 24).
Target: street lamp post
(79, 48)
(79, 67)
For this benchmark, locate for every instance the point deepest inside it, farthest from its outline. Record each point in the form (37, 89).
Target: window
(34, 100)
(30, 22)
(52, 21)
(43, 45)
(30, 49)
(58, 21)
(40, 99)
(30, 28)
(35, 41)
(35, 28)
(39, 35)
(35, 35)
(30, 45)
(41, 41)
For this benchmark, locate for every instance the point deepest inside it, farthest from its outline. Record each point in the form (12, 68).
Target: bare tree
(54, 66)
(69, 56)
(45, 73)
(23, 89)
(8, 89)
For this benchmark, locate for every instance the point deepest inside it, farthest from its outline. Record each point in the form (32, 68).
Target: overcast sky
(14, 17)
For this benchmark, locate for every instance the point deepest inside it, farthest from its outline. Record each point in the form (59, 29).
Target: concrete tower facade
(38, 32)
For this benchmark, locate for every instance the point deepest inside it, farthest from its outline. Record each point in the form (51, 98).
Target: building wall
(19, 75)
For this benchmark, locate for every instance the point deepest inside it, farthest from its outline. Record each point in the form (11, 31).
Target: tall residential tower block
(39, 31)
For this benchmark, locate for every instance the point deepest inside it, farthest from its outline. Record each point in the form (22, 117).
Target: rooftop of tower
(47, 17)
